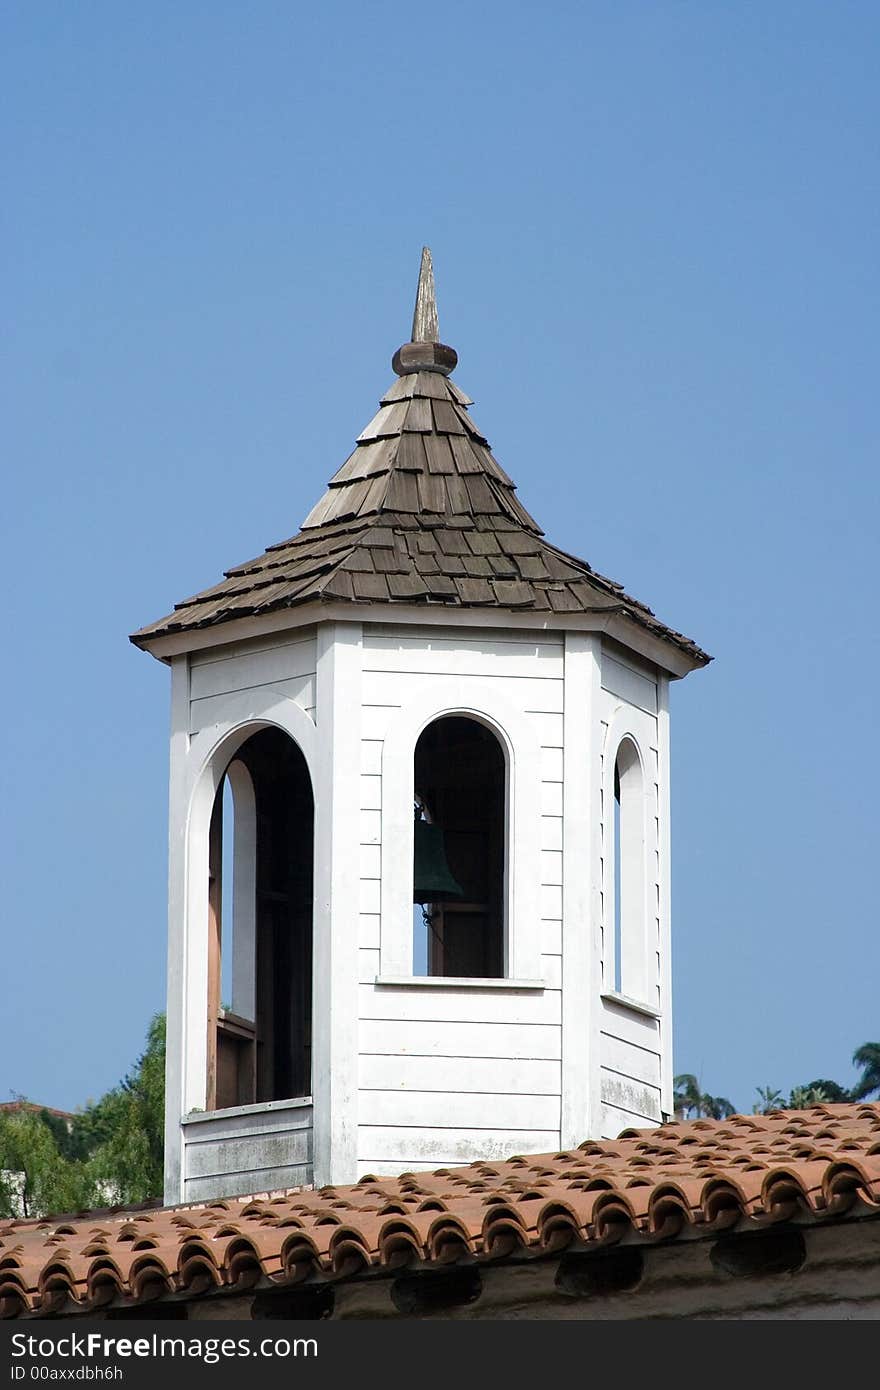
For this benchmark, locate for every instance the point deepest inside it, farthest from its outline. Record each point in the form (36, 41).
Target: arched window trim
(518, 739)
(210, 752)
(259, 1030)
(505, 837)
(633, 947)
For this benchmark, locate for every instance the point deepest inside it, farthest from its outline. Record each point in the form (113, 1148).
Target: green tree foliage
(768, 1099)
(109, 1153)
(126, 1127)
(687, 1095)
(802, 1097)
(868, 1058)
(691, 1102)
(832, 1092)
(35, 1177)
(823, 1091)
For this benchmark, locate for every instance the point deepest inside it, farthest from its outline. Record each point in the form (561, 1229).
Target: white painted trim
(580, 1057)
(613, 996)
(656, 650)
(337, 894)
(479, 699)
(457, 982)
(663, 811)
(176, 1011)
(244, 891)
(631, 877)
(266, 708)
(210, 752)
(201, 1116)
(628, 724)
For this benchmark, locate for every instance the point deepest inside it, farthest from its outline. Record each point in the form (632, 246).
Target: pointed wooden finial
(425, 352)
(425, 328)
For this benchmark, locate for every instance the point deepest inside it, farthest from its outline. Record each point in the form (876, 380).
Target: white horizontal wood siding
(630, 1049)
(635, 1099)
(634, 1054)
(403, 1038)
(248, 1149)
(222, 679)
(388, 1149)
(420, 1075)
(407, 1075)
(447, 1075)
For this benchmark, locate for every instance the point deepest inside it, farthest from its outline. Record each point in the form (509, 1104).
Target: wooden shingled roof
(420, 513)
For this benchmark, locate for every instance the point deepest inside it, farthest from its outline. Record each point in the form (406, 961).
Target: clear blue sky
(655, 231)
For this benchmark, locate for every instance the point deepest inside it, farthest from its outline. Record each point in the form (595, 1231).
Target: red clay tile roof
(420, 513)
(673, 1182)
(8, 1107)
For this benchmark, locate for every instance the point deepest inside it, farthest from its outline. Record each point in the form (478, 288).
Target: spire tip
(424, 351)
(425, 325)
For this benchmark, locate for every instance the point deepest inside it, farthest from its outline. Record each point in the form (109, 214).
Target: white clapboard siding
(551, 970)
(371, 827)
(368, 964)
(238, 1184)
(526, 1076)
(247, 1149)
(620, 1022)
(551, 937)
(215, 708)
(391, 1167)
(551, 798)
(448, 1146)
(266, 666)
(548, 730)
(230, 651)
(430, 632)
(638, 1063)
(375, 720)
(457, 1110)
(551, 867)
(551, 902)
(370, 897)
(440, 656)
(529, 693)
(551, 764)
(633, 1097)
(615, 1120)
(371, 792)
(250, 1155)
(369, 929)
(247, 1121)
(406, 1038)
(622, 680)
(371, 757)
(551, 833)
(371, 861)
(471, 1005)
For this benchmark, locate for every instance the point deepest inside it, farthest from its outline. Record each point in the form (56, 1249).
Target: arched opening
(260, 926)
(629, 873)
(459, 843)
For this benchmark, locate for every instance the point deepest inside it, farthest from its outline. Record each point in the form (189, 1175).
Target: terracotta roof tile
(685, 1179)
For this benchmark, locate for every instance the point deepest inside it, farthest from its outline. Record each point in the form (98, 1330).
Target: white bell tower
(419, 827)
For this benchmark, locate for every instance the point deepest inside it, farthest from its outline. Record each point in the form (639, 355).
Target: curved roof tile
(647, 1185)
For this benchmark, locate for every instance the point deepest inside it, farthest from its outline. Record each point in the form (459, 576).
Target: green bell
(432, 880)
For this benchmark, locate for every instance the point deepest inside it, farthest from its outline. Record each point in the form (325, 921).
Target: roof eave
(671, 657)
